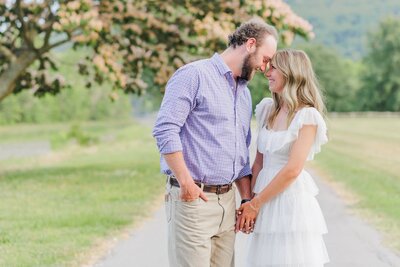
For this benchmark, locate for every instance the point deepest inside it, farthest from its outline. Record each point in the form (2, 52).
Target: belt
(217, 189)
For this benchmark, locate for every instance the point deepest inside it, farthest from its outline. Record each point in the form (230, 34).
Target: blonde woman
(289, 226)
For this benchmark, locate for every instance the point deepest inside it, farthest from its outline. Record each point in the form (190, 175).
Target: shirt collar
(220, 64)
(224, 69)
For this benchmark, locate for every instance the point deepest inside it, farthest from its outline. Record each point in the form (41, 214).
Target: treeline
(370, 84)
(76, 103)
(343, 24)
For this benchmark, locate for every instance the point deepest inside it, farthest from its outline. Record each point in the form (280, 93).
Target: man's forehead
(268, 47)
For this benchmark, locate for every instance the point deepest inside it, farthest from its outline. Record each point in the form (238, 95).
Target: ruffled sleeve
(261, 111)
(310, 116)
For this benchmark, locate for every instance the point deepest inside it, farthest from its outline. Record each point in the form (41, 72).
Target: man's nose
(263, 67)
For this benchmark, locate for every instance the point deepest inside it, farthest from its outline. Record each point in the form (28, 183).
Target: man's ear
(251, 45)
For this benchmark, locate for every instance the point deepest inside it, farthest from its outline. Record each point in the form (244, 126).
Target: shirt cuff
(246, 171)
(170, 146)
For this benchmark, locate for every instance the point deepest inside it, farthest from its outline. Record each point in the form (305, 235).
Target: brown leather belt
(217, 189)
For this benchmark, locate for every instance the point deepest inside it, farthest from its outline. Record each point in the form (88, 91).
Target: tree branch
(49, 27)
(7, 53)
(49, 47)
(24, 28)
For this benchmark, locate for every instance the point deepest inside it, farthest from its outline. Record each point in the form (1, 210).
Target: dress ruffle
(262, 110)
(287, 250)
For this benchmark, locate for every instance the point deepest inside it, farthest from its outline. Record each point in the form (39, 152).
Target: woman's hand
(247, 214)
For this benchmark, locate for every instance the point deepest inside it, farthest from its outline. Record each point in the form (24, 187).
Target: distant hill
(344, 24)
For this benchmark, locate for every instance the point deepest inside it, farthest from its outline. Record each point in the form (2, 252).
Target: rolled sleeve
(246, 171)
(178, 101)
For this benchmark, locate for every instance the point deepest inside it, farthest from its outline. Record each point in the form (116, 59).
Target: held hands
(190, 192)
(246, 216)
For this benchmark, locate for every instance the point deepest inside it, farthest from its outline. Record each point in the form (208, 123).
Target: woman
(290, 224)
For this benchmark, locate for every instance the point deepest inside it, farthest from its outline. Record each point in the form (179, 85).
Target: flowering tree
(127, 38)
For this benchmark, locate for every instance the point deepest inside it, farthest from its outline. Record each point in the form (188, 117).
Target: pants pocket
(168, 208)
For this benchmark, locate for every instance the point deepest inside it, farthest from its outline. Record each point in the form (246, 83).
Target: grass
(363, 155)
(55, 209)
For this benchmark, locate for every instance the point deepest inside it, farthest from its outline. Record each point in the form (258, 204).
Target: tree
(126, 38)
(381, 80)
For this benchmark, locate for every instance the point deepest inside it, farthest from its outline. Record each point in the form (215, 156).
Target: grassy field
(56, 209)
(364, 155)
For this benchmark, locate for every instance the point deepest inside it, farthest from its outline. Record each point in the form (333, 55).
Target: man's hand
(191, 192)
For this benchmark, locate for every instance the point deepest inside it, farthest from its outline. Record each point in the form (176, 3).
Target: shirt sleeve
(246, 170)
(178, 101)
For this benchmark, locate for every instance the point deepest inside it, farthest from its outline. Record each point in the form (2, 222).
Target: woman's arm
(256, 168)
(285, 176)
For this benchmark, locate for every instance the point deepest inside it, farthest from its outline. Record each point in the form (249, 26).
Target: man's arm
(177, 104)
(243, 186)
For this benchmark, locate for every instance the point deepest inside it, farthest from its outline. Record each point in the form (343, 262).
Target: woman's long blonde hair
(301, 88)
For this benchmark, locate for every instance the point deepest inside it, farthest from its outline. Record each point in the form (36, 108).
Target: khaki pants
(200, 234)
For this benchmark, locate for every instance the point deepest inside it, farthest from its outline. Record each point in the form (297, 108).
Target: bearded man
(203, 135)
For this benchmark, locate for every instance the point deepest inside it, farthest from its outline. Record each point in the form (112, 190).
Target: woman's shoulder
(265, 102)
(310, 114)
(262, 109)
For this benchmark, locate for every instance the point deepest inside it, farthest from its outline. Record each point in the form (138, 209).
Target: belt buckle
(218, 190)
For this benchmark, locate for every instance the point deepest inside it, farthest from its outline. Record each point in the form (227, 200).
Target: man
(203, 135)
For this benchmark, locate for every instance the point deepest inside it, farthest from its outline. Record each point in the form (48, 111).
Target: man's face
(259, 59)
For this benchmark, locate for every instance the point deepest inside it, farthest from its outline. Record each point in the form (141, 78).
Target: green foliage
(343, 24)
(337, 76)
(259, 89)
(381, 80)
(71, 104)
(83, 138)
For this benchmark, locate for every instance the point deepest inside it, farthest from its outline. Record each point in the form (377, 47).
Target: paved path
(24, 149)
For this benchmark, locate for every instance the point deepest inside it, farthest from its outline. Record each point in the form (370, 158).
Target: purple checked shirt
(206, 117)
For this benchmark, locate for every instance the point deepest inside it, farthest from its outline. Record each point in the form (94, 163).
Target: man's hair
(254, 28)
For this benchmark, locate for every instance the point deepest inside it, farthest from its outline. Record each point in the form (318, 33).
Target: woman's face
(276, 79)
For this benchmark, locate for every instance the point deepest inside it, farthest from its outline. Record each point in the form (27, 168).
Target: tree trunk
(11, 74)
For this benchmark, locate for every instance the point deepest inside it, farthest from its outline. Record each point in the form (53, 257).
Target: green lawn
(55, 209)
(364, 155)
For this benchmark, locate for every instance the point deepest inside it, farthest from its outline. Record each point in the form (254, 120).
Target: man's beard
(247, 68)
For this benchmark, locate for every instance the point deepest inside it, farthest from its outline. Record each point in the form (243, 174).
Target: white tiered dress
(289, 228)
